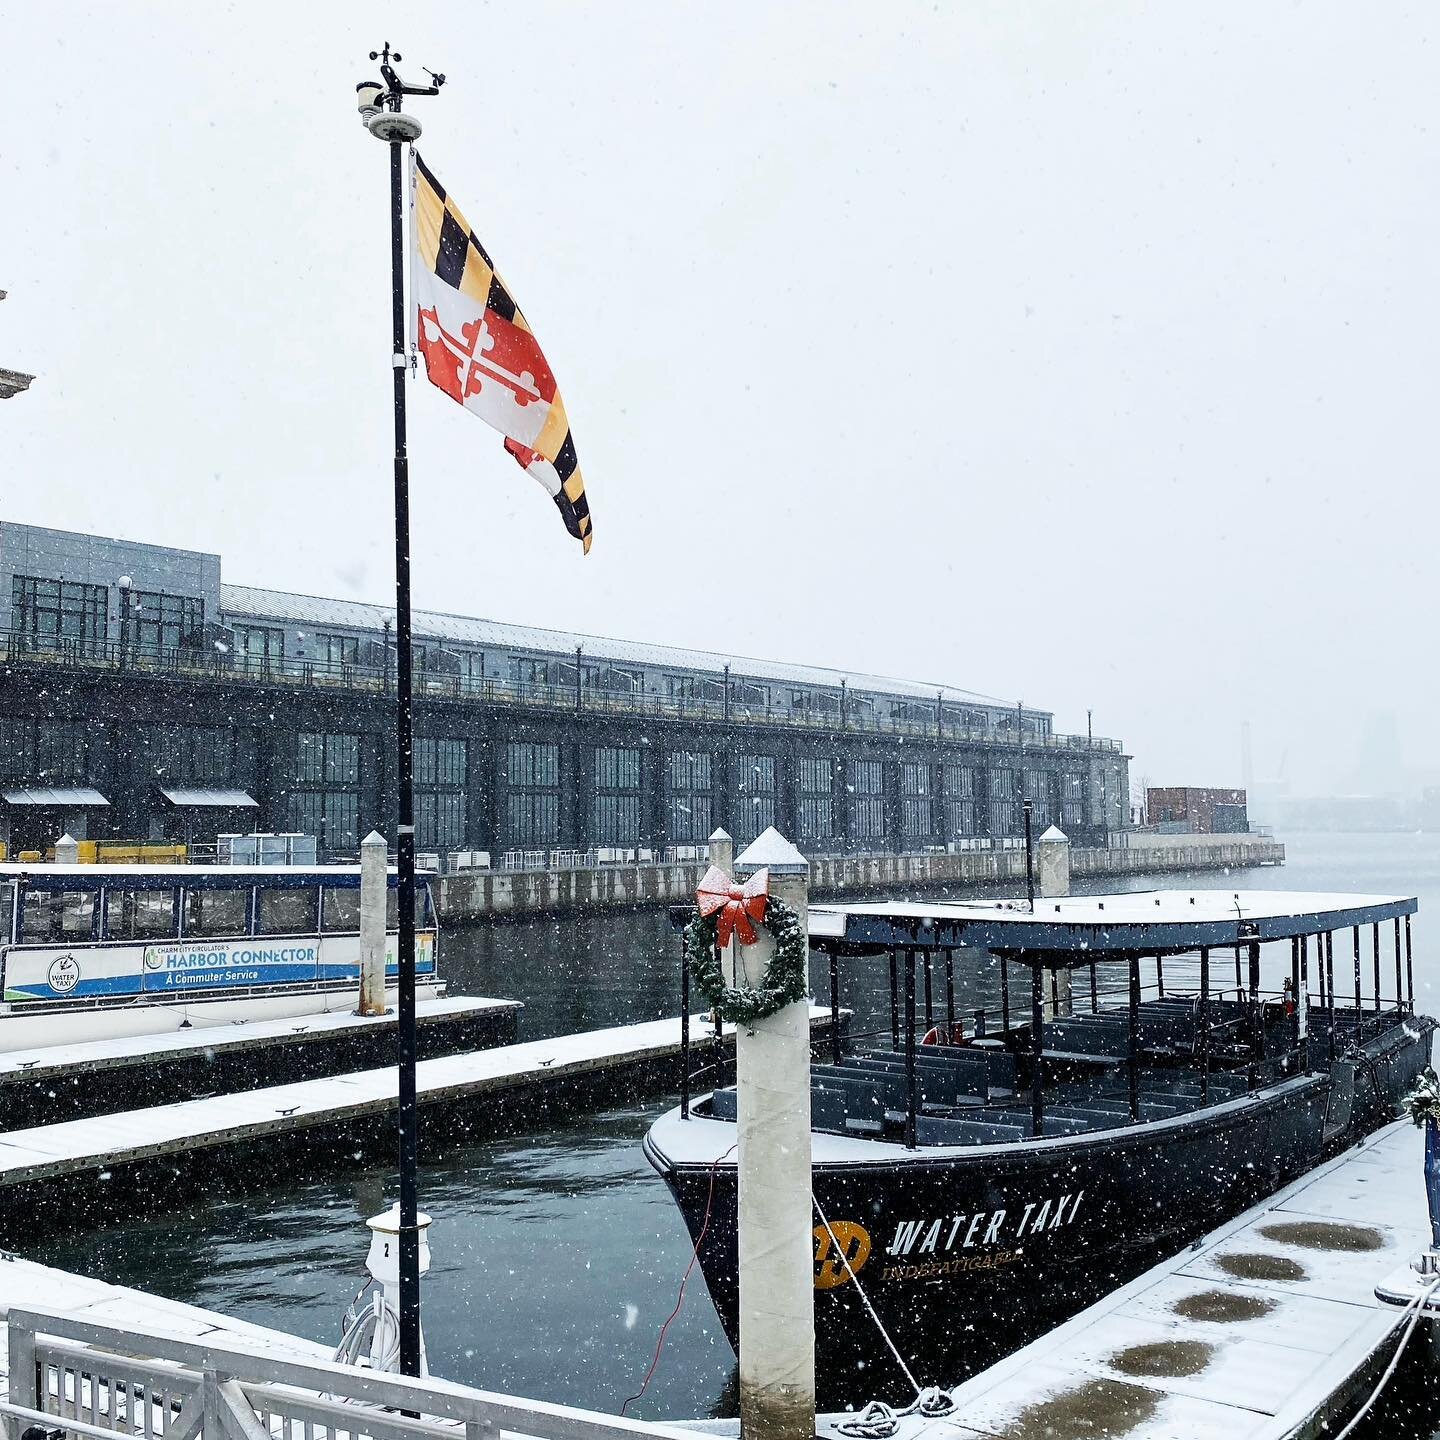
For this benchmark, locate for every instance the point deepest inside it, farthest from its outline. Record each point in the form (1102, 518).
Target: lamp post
(124, 584)
(379, 106)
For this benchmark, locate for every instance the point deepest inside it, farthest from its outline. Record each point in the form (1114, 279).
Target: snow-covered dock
(1260, 1331)
(249, 1118)
(52, 1062)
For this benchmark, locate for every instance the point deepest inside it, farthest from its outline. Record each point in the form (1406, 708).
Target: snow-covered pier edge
(479, 894)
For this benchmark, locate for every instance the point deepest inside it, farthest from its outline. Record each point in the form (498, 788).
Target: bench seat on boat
(931, 1130)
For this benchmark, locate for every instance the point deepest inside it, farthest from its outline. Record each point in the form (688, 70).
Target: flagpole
(398, 130)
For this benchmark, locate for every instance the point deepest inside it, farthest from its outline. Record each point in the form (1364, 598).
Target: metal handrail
(197, 663)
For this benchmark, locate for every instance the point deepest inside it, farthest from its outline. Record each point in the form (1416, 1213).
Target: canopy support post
(1132, 1048)
(1302, 1008)
(1358, 1011)
(1239, 979)
(1160, 976)
(1094, 991)
(1399, 985)
(950, 992)
(911, 1096)
(1005, 994)
(1204, 1025)
(1037, 1049)
(684, 1027)
(1375, 938)
(1257, 1015)
(1409, 970)
(894, 1004)
(1330, 988)
(834, 956)
(925, 958)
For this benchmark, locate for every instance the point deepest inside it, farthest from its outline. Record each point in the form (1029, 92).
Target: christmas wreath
(725, 909)
(1424, 1104)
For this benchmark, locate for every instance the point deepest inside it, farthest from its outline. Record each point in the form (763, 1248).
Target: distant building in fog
(1191, 810)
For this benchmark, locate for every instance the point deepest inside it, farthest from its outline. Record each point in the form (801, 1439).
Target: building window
(258, 646)
(191, 754)
(1004, 814)
(615, 806)
(1038, 788)
(336, 649)
(326, 799)
(441, 771)
(689, 803)
(867, 799)
(156, 621)
(959, 800)
(48, 750)
(55, 612)
(915, 816)
(755, 794)
(532, 802)
(815, 785)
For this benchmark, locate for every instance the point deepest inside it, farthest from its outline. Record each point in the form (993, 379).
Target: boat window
(7, 904)
(287, 912)
(140, 914)
(342, 909)
(215, 912)
(63, 915)
(392, 909)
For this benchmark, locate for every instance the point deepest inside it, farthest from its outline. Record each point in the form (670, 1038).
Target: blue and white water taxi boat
(92, 950)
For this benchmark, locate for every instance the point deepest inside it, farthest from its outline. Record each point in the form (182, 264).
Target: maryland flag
(480, 351)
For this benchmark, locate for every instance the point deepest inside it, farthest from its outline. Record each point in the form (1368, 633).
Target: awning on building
(72, 799)
(211, 799)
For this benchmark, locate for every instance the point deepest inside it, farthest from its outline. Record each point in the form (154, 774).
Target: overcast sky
(1084, 353)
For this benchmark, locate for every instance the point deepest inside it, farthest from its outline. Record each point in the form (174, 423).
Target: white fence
(75, 1376)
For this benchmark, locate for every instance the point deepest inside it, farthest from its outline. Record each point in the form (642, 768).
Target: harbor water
(558, 1255)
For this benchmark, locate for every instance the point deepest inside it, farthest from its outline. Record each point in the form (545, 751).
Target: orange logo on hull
(837, 1259)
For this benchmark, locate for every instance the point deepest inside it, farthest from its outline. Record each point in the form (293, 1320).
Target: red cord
(680, 1298)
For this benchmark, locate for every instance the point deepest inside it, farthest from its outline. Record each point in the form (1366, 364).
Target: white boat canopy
(1077, 929)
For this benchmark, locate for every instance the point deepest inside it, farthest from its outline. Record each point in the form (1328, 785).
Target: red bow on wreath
(738, 904)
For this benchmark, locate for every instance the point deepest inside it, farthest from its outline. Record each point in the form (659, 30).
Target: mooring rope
(879, 1421)
(1415, 1309)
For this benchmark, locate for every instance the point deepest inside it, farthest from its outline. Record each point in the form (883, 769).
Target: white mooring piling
(67, 850)
(1052, 865)
(373, 882)
(776, 1240)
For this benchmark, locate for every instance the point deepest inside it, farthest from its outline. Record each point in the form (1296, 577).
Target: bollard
(374, 879)
(1053, 863)
(776, 1221)
(383, 1263)
(67, 850)
(722, 851)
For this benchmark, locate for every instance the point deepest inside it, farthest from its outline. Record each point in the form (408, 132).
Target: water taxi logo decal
(841, 1250)
(64, 974)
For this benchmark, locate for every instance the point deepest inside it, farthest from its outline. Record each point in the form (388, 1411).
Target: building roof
(247, 600)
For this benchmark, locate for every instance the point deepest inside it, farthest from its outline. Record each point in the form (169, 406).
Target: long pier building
(146, 698)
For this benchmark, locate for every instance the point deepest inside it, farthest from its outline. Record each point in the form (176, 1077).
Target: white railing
(80, 1377)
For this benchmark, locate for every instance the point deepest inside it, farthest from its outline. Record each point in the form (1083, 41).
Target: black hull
(967, 1255)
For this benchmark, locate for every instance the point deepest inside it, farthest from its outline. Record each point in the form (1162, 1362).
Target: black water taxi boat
(980, 1192)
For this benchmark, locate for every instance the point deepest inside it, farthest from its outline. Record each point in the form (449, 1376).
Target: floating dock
(1268, 1328)
(535, 1074)
(55, 1082)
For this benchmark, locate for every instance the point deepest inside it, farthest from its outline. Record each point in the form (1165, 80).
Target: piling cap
(67, 839)
(720, 834)
(771, 851)
(1053, 834)
(375, 838)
